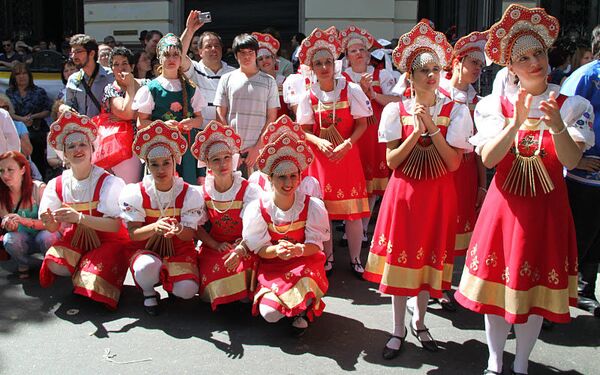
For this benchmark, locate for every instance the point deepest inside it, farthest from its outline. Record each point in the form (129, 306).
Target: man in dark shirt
(10, 56)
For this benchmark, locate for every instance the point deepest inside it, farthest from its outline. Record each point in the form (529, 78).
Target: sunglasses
(6, 45)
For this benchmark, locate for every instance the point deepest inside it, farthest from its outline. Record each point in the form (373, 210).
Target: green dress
(165, 105)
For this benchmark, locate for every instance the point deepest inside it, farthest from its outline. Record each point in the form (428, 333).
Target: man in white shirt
(207, 72)
(247, 99)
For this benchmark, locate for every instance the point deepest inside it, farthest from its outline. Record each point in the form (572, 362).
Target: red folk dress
(295, 285)
(373, 153)
(522, 259)
(219, 285)
(343, 183)
(97, 273)
(415, 229)
(182, 265)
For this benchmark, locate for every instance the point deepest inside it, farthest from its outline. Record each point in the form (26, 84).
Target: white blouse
(360, 105)
(457, 94)
(131, 202)
(577, 114)
(460, 128)
(252, 192)
(143, 101)
(386, 79)
(76, 191)
(308, 186)
(256, 233)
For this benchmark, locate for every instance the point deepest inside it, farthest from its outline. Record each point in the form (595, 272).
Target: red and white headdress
(420, 46)
(267, 43)
(319, 40)
(214, 139)
(355, 34)
(283, 125)
(519, 30)
(286, 155)
(159, 140)
(71, 127)
(472, 45)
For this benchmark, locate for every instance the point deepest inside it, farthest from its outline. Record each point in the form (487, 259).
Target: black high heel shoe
(152, 310)
(389, 353)
(429, 345)
(357, 268)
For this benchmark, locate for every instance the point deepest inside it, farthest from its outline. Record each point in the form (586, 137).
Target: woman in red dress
(377, 84)
(287, 228)
(226, 268)
(94, 250)
(334, 114)
(468, 59)
(162, 213)
(521, 265)
(426, 134)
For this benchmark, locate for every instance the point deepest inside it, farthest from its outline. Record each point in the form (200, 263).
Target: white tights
(399, 312)
(365, 220)
(496, 332)
(353, 233)
(146, 272)
(58, 269)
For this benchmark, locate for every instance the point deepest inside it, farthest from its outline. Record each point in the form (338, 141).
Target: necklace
(289, 226)
(230, 202)
(85, 191)
(162, 208)
(329, 133)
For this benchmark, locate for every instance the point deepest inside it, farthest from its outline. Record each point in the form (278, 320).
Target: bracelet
(80, 218)
(348, 141)
(558, 132)
(302, 247)
(178, 231)
(435, 132)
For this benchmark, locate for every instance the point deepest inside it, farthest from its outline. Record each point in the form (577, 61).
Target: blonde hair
(11, 108)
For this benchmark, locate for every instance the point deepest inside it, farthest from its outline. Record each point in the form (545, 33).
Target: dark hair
(151, 33)
(26, 184)
(120, 51)
(86, 42)
(596, 42)
(299, 37)
(560, 52)
(272, 31)
(582, 48)
(19, 67)
(244, 41)
(62, 68)
(207, 34)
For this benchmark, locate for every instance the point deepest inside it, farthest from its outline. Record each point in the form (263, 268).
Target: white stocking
(496, 332)
(185, 289)
(354, 234)
(365, 220)
(270, 314)
(398, 312)
(58, 269)
(146, 273)
(527, 334)
(328, 245)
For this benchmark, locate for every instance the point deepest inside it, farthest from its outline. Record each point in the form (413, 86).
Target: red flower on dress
(175, 107)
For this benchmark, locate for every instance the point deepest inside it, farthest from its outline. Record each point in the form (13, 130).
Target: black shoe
(589, 304)
(389, 353)
(357, 268)
(546, 324)
(429, 345)
(329, 266)
(490, 372)
(152, 310)
(299, 331)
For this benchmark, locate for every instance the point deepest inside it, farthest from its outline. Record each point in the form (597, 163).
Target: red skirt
(414, 233)
(292, 286)
(373, 160)
(343, 185)
(522, 259)
(181, 266)
(219, 285)
(97, 274)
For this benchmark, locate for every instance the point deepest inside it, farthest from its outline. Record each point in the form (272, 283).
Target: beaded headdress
(420, 46)
(71, 127)
(215, 139)
(284, 156)
(159, 140)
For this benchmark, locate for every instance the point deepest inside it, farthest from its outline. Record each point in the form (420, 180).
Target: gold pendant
(332, 135)
(424, 162)
(161, 245)
(85, 238)
(523, 174)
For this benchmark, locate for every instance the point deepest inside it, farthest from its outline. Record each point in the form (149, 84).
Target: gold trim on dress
(84, 207)
(447, 272)
(221, 206)
(440, 121)
(329, 106)
(462, 240)
(287, 227)
(514, 301)
(156, 213)
(295, 295)
(226, 286)
(347, 206)
(96, 283)
(181, 268)
(403, 277)
(71, 256)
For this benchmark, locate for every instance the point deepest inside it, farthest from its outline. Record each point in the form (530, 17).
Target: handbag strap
(87, 89)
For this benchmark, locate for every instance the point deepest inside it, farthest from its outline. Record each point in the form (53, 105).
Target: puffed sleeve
(252, 193)
(109, 196)
(310, 186)
(304, 112)
(143, 101)
(194, 209)
(578, 116)
(198, 101)
(360, 105)
(460, 128)
(390, 127)
(387, 82)
(49, 199)
(317, 223)
(489, 121)
(130, 203)
(293, 88)
(255, 231)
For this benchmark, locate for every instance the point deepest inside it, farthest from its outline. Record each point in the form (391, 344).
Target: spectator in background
(142, 66)
(151, 39)
(559, 58)
(110, 41)
(32, 106)
(24, 51)
(193, 52)
(85, 89)
(10, 56)
(104, 51)
(142, 38)
(582, 55)
(284, 66)
(67, 68)
(295, 42)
